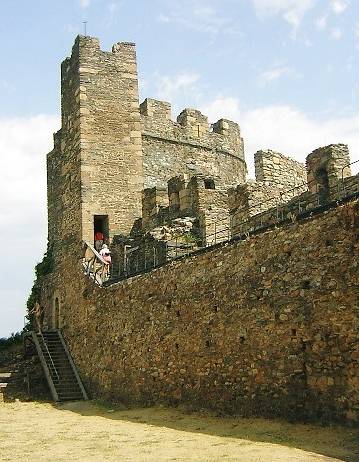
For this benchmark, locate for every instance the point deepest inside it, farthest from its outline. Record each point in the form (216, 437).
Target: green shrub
(14, 339)
(43, 268)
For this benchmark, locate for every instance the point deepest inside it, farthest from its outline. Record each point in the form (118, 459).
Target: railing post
(154, 257)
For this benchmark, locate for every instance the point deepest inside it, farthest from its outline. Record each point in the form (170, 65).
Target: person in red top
(99, 238)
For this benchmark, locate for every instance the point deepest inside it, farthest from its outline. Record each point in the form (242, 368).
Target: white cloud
(321, 23)
(173, 88)
(84, 3)
(163, 18)
(275, 73)
(292, 11)
(7, 86)
(111, 16)
(336, 33)
(113, 7)
(222, 107)
(285, 129)
(24, 143)
(198, 15)
(339, 6)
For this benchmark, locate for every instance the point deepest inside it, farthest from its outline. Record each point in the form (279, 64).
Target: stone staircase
(4, 382)
(60, 371)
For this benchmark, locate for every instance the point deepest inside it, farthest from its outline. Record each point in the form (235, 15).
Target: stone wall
(327, 166)
(155, 205)
(273, 168)
(250, 199)
(278, 179)
(211, 208)
(285, 183)
(267, 326)
(197, 197)
(189, 147)
(97, 158)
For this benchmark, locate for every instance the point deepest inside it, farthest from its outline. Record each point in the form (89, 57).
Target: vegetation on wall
(42, 269)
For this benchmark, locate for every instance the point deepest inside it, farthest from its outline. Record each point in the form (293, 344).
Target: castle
(239, 315)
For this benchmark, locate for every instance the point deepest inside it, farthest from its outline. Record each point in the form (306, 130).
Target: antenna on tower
(85, 27)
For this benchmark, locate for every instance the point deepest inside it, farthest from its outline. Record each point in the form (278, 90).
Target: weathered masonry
(237, 295)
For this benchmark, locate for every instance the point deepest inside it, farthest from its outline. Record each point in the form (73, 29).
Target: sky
(285, 70)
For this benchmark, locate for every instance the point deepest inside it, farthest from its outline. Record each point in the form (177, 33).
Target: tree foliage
(42, 269)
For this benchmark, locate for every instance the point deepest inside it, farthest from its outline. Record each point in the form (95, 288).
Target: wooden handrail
(94, 251)
(89, 264)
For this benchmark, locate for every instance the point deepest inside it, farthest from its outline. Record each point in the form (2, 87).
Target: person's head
(104, 246)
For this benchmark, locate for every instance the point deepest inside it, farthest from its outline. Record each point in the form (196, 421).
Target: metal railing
(256, 215)
(289, 204)
(139, 259)
(284, 206)
(342, 184)
(49, 355)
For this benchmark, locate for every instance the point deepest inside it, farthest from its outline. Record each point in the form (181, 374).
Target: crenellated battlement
(190, 126)
(189, 145)
(159, 110)
(194, 121)
(86, 46)
(276, 169)
(327, 165)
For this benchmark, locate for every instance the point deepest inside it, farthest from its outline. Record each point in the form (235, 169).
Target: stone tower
(95, 173)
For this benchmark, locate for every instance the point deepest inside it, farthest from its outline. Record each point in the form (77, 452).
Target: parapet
(86, 50)
(276, 169)
(188, 145)
(123, 47)
(156, 109)
(194, 120)
(327, 165)
(175, 185)
(227, 128)
(153, 200)
(57, 139)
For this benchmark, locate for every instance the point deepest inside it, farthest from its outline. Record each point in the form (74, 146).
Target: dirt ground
(86, 431)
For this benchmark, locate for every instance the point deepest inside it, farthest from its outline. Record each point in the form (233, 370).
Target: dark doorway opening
(323, 184)
(100, 225)
(209, 183)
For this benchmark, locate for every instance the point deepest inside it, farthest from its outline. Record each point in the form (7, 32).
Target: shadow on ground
(332, 441)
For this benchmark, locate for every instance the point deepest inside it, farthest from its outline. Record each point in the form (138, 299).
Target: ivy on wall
(43, 268)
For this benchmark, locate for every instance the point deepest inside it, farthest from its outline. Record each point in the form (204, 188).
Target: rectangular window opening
(101, 230)
(209, 183)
